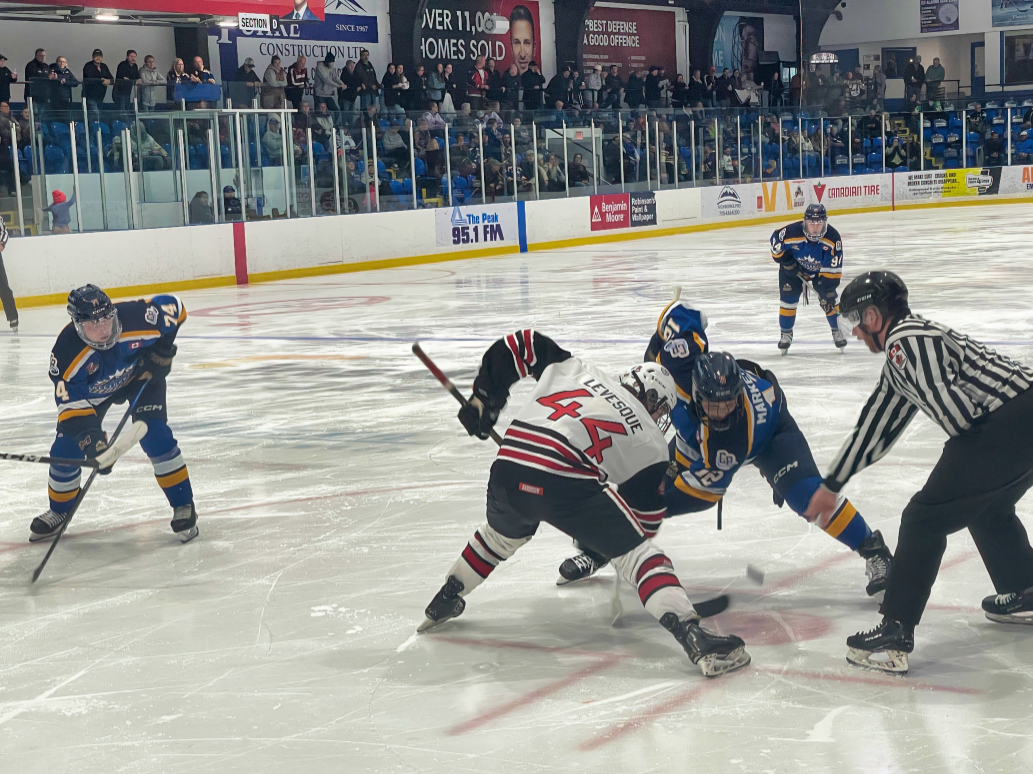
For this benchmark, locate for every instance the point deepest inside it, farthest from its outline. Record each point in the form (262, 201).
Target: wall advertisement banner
(738, 43)
(632, 39)
(459, 31)
(1017, 180)
(610, 211)
(490, 225)
(1009, 13)
(947, 184)
(792, 196)
(939, 16)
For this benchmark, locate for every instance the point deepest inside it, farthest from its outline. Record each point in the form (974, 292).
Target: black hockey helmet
(90, 304)
(716, 378)
(882, 289)
(815, 213)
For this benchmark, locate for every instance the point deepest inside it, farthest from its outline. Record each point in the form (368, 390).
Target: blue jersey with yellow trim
(823, 258)
(85, 377)
(680, 337)
(708, 459)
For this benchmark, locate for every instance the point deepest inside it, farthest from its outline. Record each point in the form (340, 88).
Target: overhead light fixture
(227, 22)
(106, 15)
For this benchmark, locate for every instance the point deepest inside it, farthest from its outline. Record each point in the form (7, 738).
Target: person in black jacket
(38, 76)
(697, 90)
(634, 93)
(494, 82)
(724, 87)
(652, 88)
(61, 88)
(127, 75)
(533, 83)
(96, 77)
(613, 88)
(6, 79)
(557, 89)
(511, 88)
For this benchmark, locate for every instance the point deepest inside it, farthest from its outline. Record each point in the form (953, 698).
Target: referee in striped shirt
(6, 296)
(984, 403)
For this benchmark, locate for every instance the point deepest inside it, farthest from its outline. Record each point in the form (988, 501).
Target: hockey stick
(89, 481)
(446, 382)
(108, 458)
(62, 461)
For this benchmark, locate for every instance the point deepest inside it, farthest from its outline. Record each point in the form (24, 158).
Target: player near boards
(730, 414)
(586, 455)
(6, 296)
(984, 403)
(808, 251)
(98, 361)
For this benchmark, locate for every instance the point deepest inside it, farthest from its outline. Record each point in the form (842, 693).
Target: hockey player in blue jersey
(808, 251)
(731, 414)
(99, 360)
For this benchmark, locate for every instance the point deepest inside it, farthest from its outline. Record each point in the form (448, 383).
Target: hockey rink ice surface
(335, 488)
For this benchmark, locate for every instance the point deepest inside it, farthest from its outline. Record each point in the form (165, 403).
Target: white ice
(335, 488)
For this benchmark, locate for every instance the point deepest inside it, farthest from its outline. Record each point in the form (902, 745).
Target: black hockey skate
(446, 604)
(579, 567)
(46, 525)
(839, 338)
(785, 342)
(184, 522)
(877, 560)
(714, 654)
(890, 637)
(1015, 608)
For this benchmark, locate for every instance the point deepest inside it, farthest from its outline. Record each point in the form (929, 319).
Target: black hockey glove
(158, 360)
(92, 443)
(788, 263)
(479, 416)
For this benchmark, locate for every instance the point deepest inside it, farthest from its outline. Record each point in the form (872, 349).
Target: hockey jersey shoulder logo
(151, 315)
(677, 348)
(896, 356)
(725, 460)
(55, 370)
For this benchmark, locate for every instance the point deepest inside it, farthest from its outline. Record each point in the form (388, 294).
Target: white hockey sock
(651, 572)
(482, 555)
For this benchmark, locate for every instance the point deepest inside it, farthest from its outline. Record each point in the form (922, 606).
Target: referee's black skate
(579, 567)
(1014, 608)
(46, 525)
(446, 604)
(184, 522)
(877, 560)
(891, 638)
(714, 654)
(785, 341)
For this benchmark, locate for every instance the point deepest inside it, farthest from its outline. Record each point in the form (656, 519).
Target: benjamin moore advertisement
(459, 31)
(632, 39)
(349, 26)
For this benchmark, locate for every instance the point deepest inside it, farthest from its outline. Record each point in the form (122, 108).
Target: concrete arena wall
(43, 269)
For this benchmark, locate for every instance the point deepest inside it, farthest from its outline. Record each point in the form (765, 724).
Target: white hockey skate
(839, 339)
(785, 342)
(184, 522)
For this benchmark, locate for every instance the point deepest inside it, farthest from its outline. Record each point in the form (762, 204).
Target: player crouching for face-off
(124, 343)
(586, 455)
(984, 403)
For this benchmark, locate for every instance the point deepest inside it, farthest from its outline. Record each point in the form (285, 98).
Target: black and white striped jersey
(931, 368)
(3, 232)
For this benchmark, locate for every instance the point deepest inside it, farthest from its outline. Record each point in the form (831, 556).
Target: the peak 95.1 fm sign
(459, 31)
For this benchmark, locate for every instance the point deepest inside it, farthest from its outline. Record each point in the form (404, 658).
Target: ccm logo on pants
(142, 409)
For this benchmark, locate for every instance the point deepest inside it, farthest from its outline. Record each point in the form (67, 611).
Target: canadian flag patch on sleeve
(897, 357)
(531, 489)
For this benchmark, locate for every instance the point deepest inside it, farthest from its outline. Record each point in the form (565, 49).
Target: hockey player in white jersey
(586, 455)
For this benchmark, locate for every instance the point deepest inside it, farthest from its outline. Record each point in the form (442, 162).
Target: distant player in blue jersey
(98, 360)
(808, 251)
(731, 414)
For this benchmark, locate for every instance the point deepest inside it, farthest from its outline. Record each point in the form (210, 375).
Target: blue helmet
(815, 213)
(716, 378)
(90, 304)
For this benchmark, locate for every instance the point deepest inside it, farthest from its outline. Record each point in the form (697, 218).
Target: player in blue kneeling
(808, 251)
(731, 414)
(98, 361)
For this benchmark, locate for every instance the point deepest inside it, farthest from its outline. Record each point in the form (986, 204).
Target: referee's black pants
(6, 296)
(975, 485)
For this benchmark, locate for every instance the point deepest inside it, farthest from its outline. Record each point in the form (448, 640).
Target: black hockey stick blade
(89, 482)
(711, 607)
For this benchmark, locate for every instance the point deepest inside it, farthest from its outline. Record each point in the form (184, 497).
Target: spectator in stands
(7, 77)
(64, 80)
(494, 92)
(725, 89)
(297, 82)
(347, 96)
(557, 179)
(613, 90)
(652, 88)
(557, 89)
(60, 213)
(391, 86)
(710, 87)
(274, 85)
(38, 76)
(795, 89)
(395, 147)
(855, 92)
(369, 88)
(891, 68)
(323, 127)
(272, 141)
(327, 82)
(231, 204)
(96, 77)
(452, 92)
(912, 82)
(696, 89)
(251, 84)
(200, 209)
(177, 75)
(436, 83)
(728, 164)
(879, 87)
(592, 93)
(533, 83)
(152, 85)
(154, 156)
(200, 73)
(934, 80)
(577, 172)
(634, 92)
(303, 119)
(27, 129)
(7, 164)
(416, 94)
(511, 88)
(994, 151)
(1022, 153)
(776, 91)
(896, 155)
(477, 84)
(680, 93)
(127, 75)
(433, 117)
(770, 168)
